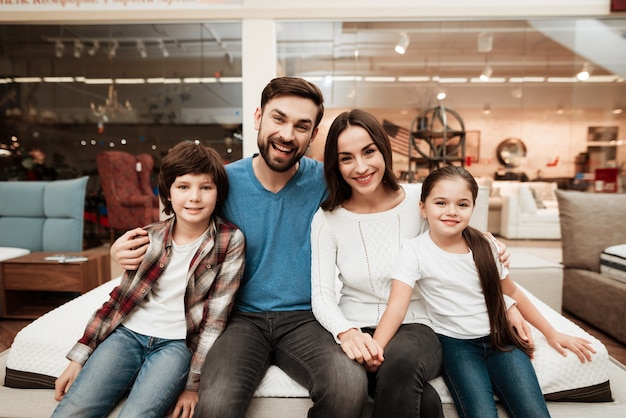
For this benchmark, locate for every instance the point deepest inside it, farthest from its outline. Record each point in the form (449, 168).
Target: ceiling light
(402, 44)
(441, 95)
(163, 49)
(113, 48)
(584, 74)
(618, 111)
(142, 49)
(487, 109)
(59, 48)
(94, 47)
(485, 42)
(78, 48)
(487, 72)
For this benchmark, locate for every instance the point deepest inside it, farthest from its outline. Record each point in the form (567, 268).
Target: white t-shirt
(450, 286)
(161, 313)
(363, 247)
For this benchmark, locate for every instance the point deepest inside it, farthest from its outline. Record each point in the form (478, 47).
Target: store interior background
(183, 81)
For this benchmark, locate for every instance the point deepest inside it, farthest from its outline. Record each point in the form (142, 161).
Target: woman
(358, 231)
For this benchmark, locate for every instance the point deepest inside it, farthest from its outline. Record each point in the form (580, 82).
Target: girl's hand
(64, 382)
(185, 405)
(361, 347)
(579, 346)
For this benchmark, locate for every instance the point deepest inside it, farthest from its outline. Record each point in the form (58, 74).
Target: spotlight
(485, 42)
(487, 72)
(142, 49)
(163, 49)
(402, 44)
(94, 48)
(59, 48)
(78, 48)
(113, 48)
(584, 74)
(441, 95)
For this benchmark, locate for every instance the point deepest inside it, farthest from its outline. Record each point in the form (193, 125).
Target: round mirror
(511, 152)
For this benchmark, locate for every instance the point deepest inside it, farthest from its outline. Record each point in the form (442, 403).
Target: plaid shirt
(213, 279)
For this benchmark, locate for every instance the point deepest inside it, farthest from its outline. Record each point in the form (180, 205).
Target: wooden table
(31, 286)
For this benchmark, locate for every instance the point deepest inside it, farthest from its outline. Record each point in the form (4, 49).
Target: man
(273, 197)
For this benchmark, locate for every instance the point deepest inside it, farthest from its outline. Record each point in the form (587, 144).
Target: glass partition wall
(75, 90)
(504, 79)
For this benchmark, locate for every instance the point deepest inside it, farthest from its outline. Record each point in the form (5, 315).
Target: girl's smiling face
(448, 207)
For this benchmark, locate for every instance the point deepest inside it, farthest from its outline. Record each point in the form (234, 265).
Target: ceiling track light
(59, 48)
(113, 45)
(78, 48)
(141, 48)
(163, 48)
(487, 72)
(95, 46)
(402, 44)
(585, 72)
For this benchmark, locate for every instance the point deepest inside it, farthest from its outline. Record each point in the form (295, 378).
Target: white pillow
(526, 200)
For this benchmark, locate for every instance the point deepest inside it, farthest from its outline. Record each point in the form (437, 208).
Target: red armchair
(125, 181)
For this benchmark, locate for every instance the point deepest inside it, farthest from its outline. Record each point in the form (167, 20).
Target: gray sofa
(591, 222)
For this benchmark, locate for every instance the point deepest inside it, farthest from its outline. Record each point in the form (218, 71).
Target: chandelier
(111, 106)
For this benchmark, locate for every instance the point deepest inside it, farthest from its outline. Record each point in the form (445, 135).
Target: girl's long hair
(502, 334)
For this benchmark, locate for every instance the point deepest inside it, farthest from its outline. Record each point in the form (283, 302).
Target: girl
(153, 334)
(463, 285)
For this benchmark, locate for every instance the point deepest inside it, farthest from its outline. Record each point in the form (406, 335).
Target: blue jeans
(296, 343)
(154, 369)
(474, 373)
(400, 387)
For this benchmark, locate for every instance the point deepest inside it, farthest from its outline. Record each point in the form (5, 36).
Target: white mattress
(613, 262)
(41, 348)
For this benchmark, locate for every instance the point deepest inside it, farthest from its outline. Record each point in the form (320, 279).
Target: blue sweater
(277, 228)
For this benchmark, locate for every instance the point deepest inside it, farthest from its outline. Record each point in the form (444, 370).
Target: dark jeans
(400, 387)
(474, 373)
(296, 343)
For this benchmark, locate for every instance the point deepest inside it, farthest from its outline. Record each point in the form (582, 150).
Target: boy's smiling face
(193, 198)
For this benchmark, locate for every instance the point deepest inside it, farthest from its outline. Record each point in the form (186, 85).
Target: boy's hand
(64, 382)
(129, 249)
(185, 405)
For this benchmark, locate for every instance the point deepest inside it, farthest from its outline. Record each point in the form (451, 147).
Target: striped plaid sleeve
(219, 300)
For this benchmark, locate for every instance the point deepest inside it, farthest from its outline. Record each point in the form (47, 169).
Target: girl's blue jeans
(474, 373)
(153, 369)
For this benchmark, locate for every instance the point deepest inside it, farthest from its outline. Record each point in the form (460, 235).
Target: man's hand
(129, 249)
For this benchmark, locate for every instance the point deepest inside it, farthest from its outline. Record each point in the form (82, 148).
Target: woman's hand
(129, 249)
(64, 382)
(361, 347)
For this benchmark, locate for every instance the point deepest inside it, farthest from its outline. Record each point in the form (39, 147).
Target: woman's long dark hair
(338, 190)
(502, 334)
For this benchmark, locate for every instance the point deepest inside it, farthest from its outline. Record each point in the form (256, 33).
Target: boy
(154, 332)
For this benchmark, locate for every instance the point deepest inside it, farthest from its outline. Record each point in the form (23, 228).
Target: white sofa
(529, 210)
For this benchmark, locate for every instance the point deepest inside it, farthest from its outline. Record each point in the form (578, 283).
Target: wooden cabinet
(31, 285)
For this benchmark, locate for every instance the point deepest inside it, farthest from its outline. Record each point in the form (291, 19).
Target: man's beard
(281, 165)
